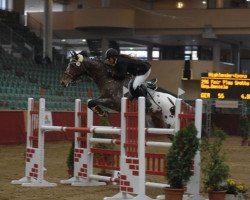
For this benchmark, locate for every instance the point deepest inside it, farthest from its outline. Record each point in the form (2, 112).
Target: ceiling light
(204, 2)
(63, 40)
(83, 40)
(180, 4)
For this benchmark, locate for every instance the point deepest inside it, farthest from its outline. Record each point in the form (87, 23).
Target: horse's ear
(75, 55)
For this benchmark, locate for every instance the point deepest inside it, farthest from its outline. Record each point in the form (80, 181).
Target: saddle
(141, 90)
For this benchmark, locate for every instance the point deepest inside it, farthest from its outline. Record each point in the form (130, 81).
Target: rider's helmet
(111, 53)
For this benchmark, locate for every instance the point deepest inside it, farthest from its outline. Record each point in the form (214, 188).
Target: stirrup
(151, 84)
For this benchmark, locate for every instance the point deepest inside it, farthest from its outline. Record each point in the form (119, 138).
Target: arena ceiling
(133, 38)
(138, 38)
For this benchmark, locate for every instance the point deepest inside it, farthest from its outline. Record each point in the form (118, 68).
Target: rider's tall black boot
(139, 92)
(132, 93)
(142, 91)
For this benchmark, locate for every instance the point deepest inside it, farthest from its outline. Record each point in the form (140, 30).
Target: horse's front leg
(95, 104)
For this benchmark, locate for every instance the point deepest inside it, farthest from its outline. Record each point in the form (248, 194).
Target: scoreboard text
(225, 86)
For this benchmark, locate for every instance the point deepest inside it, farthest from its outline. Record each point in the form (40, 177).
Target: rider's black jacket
(126, 64)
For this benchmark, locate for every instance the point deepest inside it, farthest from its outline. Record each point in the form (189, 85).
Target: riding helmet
(110, 53)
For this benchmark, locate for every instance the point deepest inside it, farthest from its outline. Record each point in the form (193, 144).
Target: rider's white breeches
(140, 79)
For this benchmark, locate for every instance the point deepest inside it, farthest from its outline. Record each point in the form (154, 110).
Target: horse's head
(74, 70)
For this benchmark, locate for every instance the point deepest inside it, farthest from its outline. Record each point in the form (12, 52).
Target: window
(191, 53)
(3, 4)
(141, 54)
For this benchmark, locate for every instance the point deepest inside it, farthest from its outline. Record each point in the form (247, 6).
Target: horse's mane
(102, 65)
(106, 65)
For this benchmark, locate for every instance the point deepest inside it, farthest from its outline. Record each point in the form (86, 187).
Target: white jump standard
(130, 160)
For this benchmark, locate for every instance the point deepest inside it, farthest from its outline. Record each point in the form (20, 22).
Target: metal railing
(13, 42)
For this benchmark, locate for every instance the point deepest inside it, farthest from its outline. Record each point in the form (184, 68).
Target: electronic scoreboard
(225, 86)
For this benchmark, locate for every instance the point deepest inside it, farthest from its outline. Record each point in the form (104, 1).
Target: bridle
(74, 66)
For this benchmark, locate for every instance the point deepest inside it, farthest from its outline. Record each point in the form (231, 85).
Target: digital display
(225, 86)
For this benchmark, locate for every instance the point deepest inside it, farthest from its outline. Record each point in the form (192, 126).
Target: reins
(154, 100)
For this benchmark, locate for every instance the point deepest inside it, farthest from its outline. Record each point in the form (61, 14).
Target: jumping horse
(161, 112)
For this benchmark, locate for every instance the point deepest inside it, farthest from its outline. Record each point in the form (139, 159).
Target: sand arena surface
(12, 167)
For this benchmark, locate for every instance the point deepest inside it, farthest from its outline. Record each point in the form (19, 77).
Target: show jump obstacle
(131, 161)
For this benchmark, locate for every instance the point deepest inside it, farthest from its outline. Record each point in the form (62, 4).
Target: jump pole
(193, 186)
(34, 166)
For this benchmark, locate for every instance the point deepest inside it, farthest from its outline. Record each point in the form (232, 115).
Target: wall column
(150, 52)
(48, 29)
(105, 3)
(216, 56)
(9, 5)
(105, 46)
(219, 3)
(163, 52)
(236, 57)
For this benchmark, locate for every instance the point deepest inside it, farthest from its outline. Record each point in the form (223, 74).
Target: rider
(125, 64)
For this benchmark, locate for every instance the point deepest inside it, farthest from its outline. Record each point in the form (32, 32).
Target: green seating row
(23, 78)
